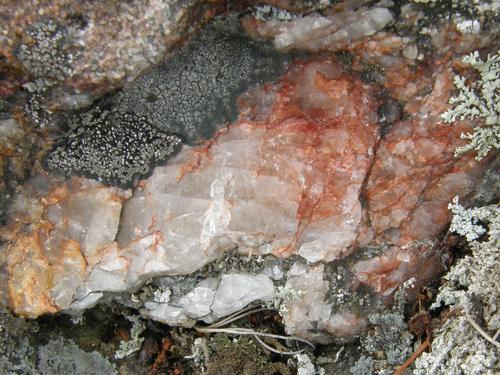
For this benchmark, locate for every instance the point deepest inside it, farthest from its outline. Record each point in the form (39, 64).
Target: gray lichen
(134, 344)
(389, 342)
(46, 51)
(114, 151)
(480, 101)
(62, 357)
(17, 356)
(196, 90)
(473, 294)
(184, 100)
(386, 345)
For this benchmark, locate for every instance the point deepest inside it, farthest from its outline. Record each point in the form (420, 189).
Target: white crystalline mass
(83, 219)
(197, 303)
(212, 299)
(307, 313)
(304, 365)
(316, 32)
(235, 291)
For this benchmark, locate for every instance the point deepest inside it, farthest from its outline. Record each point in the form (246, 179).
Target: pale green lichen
(481, 100)
(283, 294)
(465, 221)
(135, 342)
(473, 292)
(475, 276)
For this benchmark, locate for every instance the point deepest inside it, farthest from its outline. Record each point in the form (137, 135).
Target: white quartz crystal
(316, 32)
(213, 298)
(236, 291)
(308, 314)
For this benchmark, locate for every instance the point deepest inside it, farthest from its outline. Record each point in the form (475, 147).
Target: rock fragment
(56, 231)
(316, 32)
(303, 174)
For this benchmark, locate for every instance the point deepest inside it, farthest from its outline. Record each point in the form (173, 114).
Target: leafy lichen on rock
(473, 293)
(481, 100)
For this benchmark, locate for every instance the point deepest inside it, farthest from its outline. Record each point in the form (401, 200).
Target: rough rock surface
(303, 174)
(299, 171)
(184, 100)
(59, 230)
(93, 46)
(15, 156)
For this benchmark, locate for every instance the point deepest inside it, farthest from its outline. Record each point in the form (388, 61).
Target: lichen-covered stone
(195, 91)
(288, 170)
(93, 47)
(115, 151)
(47, 51)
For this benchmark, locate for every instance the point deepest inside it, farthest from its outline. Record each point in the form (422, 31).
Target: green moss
(241, 356)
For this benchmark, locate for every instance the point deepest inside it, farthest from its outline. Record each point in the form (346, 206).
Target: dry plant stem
(237, 315)
(246, 331)
(483, 333)
(413, 357)
(270, 348)
(337, 356)
(216, 328)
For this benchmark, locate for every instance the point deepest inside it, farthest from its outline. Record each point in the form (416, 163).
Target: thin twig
(269, 347)
(251, 332)
(217, 328)
(400, 370)
(496, 335)
(482, 332)
(238, 315)
(337, 356)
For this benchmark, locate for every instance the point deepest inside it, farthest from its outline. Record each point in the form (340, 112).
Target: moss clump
(241, 356)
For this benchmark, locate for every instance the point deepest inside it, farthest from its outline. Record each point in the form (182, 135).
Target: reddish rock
(303, 171)
(415, 173)
(384, 274)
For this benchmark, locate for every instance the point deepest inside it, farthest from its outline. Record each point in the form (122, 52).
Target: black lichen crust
(196, 90)
(115, 150)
